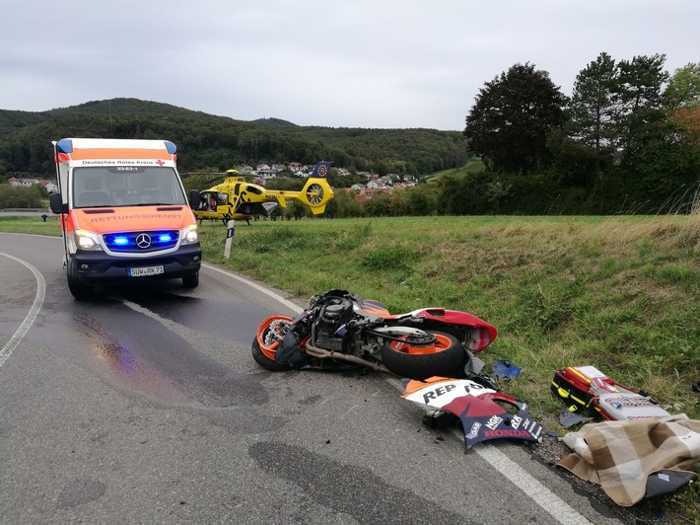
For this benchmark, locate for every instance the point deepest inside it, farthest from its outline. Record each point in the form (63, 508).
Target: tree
(512, 118)
(683, 89)
(688, 120)
(591, 106)
(638, 102)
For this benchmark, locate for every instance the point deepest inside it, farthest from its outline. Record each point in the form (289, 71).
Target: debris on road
(635, 459)
(568, 419)
(484, 413)
(505, 370)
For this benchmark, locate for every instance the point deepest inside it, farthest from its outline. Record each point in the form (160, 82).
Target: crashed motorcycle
(340, 329)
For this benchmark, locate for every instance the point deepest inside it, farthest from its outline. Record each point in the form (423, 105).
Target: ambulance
(124, 213)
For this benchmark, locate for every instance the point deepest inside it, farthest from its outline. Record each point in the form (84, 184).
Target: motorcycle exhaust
(329, 354)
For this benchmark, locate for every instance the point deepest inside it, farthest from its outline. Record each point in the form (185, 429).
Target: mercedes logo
(143, 240)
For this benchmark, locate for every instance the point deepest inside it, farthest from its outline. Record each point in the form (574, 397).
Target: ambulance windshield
(106, 186)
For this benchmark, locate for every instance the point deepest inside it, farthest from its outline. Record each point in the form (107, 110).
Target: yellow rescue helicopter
(237, 199)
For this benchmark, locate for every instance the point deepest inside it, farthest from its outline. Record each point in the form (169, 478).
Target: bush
(11, 197)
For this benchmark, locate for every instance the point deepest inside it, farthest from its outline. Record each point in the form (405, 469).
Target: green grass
(30, 225)
(471, 166)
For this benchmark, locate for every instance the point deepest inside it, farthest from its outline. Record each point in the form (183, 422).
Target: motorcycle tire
(446, 357)
(264, 361)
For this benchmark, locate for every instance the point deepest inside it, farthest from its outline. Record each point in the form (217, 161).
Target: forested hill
(209, 141)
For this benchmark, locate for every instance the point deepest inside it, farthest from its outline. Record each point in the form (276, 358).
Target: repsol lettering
(472, 386)
(439, 391)
(506, 433)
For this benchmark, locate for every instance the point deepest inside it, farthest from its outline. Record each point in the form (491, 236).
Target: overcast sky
(340, 63)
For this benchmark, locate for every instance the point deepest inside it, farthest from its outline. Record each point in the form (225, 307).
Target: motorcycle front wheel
(266, 342)
(444, 357)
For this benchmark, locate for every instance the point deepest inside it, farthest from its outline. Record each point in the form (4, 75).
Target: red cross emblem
(160, 162)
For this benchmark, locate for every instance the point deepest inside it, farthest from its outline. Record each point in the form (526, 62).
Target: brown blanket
(621, 455)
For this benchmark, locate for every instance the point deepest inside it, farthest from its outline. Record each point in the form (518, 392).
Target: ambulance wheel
(444, 357)
(79, 290)
(190, 280)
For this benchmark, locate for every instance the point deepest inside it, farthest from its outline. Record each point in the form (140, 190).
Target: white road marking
(344, 414)
(545, 498)
(556, 507)
(266, 291)
(26, 324)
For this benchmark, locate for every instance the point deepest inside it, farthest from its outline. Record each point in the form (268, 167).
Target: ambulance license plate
(146, 271)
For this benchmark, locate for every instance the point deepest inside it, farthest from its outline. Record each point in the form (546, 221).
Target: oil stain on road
(140, 351)
(349, 489)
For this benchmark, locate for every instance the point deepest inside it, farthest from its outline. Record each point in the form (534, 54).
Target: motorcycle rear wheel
(445, 357)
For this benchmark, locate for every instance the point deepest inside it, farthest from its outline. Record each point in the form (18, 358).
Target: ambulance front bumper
(100, 266)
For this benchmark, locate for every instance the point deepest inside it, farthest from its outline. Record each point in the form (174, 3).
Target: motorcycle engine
(337, 312)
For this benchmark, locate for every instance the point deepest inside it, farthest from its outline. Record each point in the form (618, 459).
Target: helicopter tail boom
(315, 194)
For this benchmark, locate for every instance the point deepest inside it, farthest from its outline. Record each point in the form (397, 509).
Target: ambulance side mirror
(56, 204)
(195, 199)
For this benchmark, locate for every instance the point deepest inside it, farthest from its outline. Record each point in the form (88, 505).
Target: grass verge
(30, 225)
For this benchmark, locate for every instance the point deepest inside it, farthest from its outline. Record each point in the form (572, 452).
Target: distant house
(343, 172)
(22, 183)
(278, 168)
(245, 170)
(264, 171)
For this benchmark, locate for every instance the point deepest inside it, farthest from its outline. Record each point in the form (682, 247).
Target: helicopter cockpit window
(211, 199)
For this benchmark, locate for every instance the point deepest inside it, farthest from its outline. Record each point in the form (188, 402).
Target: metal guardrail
(26, 210)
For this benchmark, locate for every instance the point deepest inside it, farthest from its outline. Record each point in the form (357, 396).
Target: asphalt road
(146, 407)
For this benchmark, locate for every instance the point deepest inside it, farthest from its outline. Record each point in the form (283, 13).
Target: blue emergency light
(121, 240)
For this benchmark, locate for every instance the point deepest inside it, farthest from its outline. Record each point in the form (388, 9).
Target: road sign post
(230, 232)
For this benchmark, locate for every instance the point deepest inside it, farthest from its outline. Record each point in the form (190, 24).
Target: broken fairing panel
(479, 409)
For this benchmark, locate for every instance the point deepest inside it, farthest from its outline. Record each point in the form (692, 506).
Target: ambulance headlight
(87, 241)
(189, 235)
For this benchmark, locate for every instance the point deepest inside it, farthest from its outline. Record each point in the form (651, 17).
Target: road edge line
(262, 289)
(39, 296)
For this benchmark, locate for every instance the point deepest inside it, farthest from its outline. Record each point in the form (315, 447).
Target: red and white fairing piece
(483, 412)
